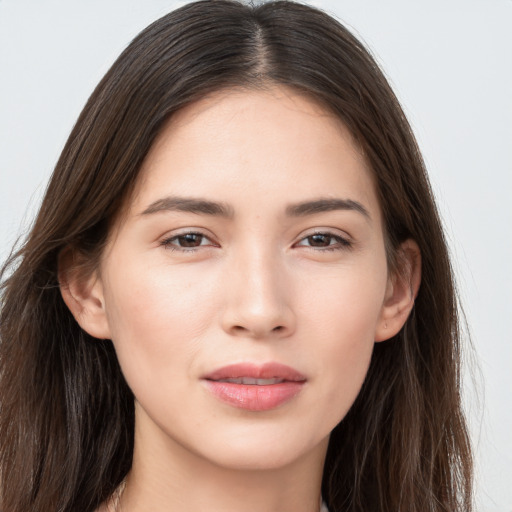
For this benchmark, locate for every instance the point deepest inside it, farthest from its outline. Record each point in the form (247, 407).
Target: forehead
(272, 143)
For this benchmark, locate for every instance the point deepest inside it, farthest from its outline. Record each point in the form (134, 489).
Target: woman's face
(244, 289)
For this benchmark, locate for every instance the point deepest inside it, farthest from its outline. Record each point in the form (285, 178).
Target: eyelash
(167, 243)
(341, 243)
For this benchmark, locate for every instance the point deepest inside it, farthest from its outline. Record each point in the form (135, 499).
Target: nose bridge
(258, 303)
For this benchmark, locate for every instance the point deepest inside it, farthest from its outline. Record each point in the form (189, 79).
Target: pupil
(320, 240)
(190, 240)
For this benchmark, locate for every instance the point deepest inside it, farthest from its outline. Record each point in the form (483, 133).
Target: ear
(401, 291)
(82, 291)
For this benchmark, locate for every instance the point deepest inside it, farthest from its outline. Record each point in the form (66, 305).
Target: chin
(268, 451)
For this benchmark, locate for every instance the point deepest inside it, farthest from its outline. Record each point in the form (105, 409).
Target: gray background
(450, 62)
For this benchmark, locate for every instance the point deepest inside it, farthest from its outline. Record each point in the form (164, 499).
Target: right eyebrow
(190, 205)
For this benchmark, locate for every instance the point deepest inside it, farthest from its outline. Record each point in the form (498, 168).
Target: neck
(166, 476)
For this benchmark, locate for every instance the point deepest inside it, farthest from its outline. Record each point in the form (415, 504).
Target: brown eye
(189, 240)
(325, 241)
(320, 240)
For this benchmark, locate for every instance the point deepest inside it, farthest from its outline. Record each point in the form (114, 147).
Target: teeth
(253, 382)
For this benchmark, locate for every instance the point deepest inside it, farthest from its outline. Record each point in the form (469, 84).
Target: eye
(325, 241)
(187, 241)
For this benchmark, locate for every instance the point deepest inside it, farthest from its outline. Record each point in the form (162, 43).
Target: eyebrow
(205, 207)
(325, 205)
(190, 205)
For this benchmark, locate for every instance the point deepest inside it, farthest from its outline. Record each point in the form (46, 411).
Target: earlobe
(82, 293)
(402, 289)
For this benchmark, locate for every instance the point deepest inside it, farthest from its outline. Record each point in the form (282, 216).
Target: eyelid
(344, 241)
(167, 240)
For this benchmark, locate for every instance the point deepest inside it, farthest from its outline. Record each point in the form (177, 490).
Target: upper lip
(256, 371)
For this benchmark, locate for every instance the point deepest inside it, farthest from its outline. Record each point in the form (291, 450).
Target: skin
(255, 286)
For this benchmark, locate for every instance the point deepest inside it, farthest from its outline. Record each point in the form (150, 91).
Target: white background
(450, 62)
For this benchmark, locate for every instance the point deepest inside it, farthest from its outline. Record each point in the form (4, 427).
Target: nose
(258, 298)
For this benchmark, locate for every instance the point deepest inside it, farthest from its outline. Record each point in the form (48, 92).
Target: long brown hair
(66, 413)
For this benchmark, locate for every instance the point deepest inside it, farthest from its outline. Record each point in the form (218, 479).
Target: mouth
(255, 387)
(253, 382)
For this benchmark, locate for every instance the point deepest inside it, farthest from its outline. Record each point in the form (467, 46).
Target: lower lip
(253, 397)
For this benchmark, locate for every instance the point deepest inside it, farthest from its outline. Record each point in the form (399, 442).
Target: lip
(254, 397)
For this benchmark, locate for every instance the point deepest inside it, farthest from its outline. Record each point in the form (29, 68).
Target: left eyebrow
(325, 205)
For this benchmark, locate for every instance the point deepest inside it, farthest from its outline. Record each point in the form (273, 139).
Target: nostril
(240, 329)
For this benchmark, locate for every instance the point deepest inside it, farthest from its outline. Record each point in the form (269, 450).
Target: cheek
(345, 341)
(157, 315)
(342, 323)
(345, 304)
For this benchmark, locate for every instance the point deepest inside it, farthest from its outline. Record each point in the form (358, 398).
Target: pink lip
(253, 397)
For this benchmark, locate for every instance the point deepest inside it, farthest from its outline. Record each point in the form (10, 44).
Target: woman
(219, 305)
